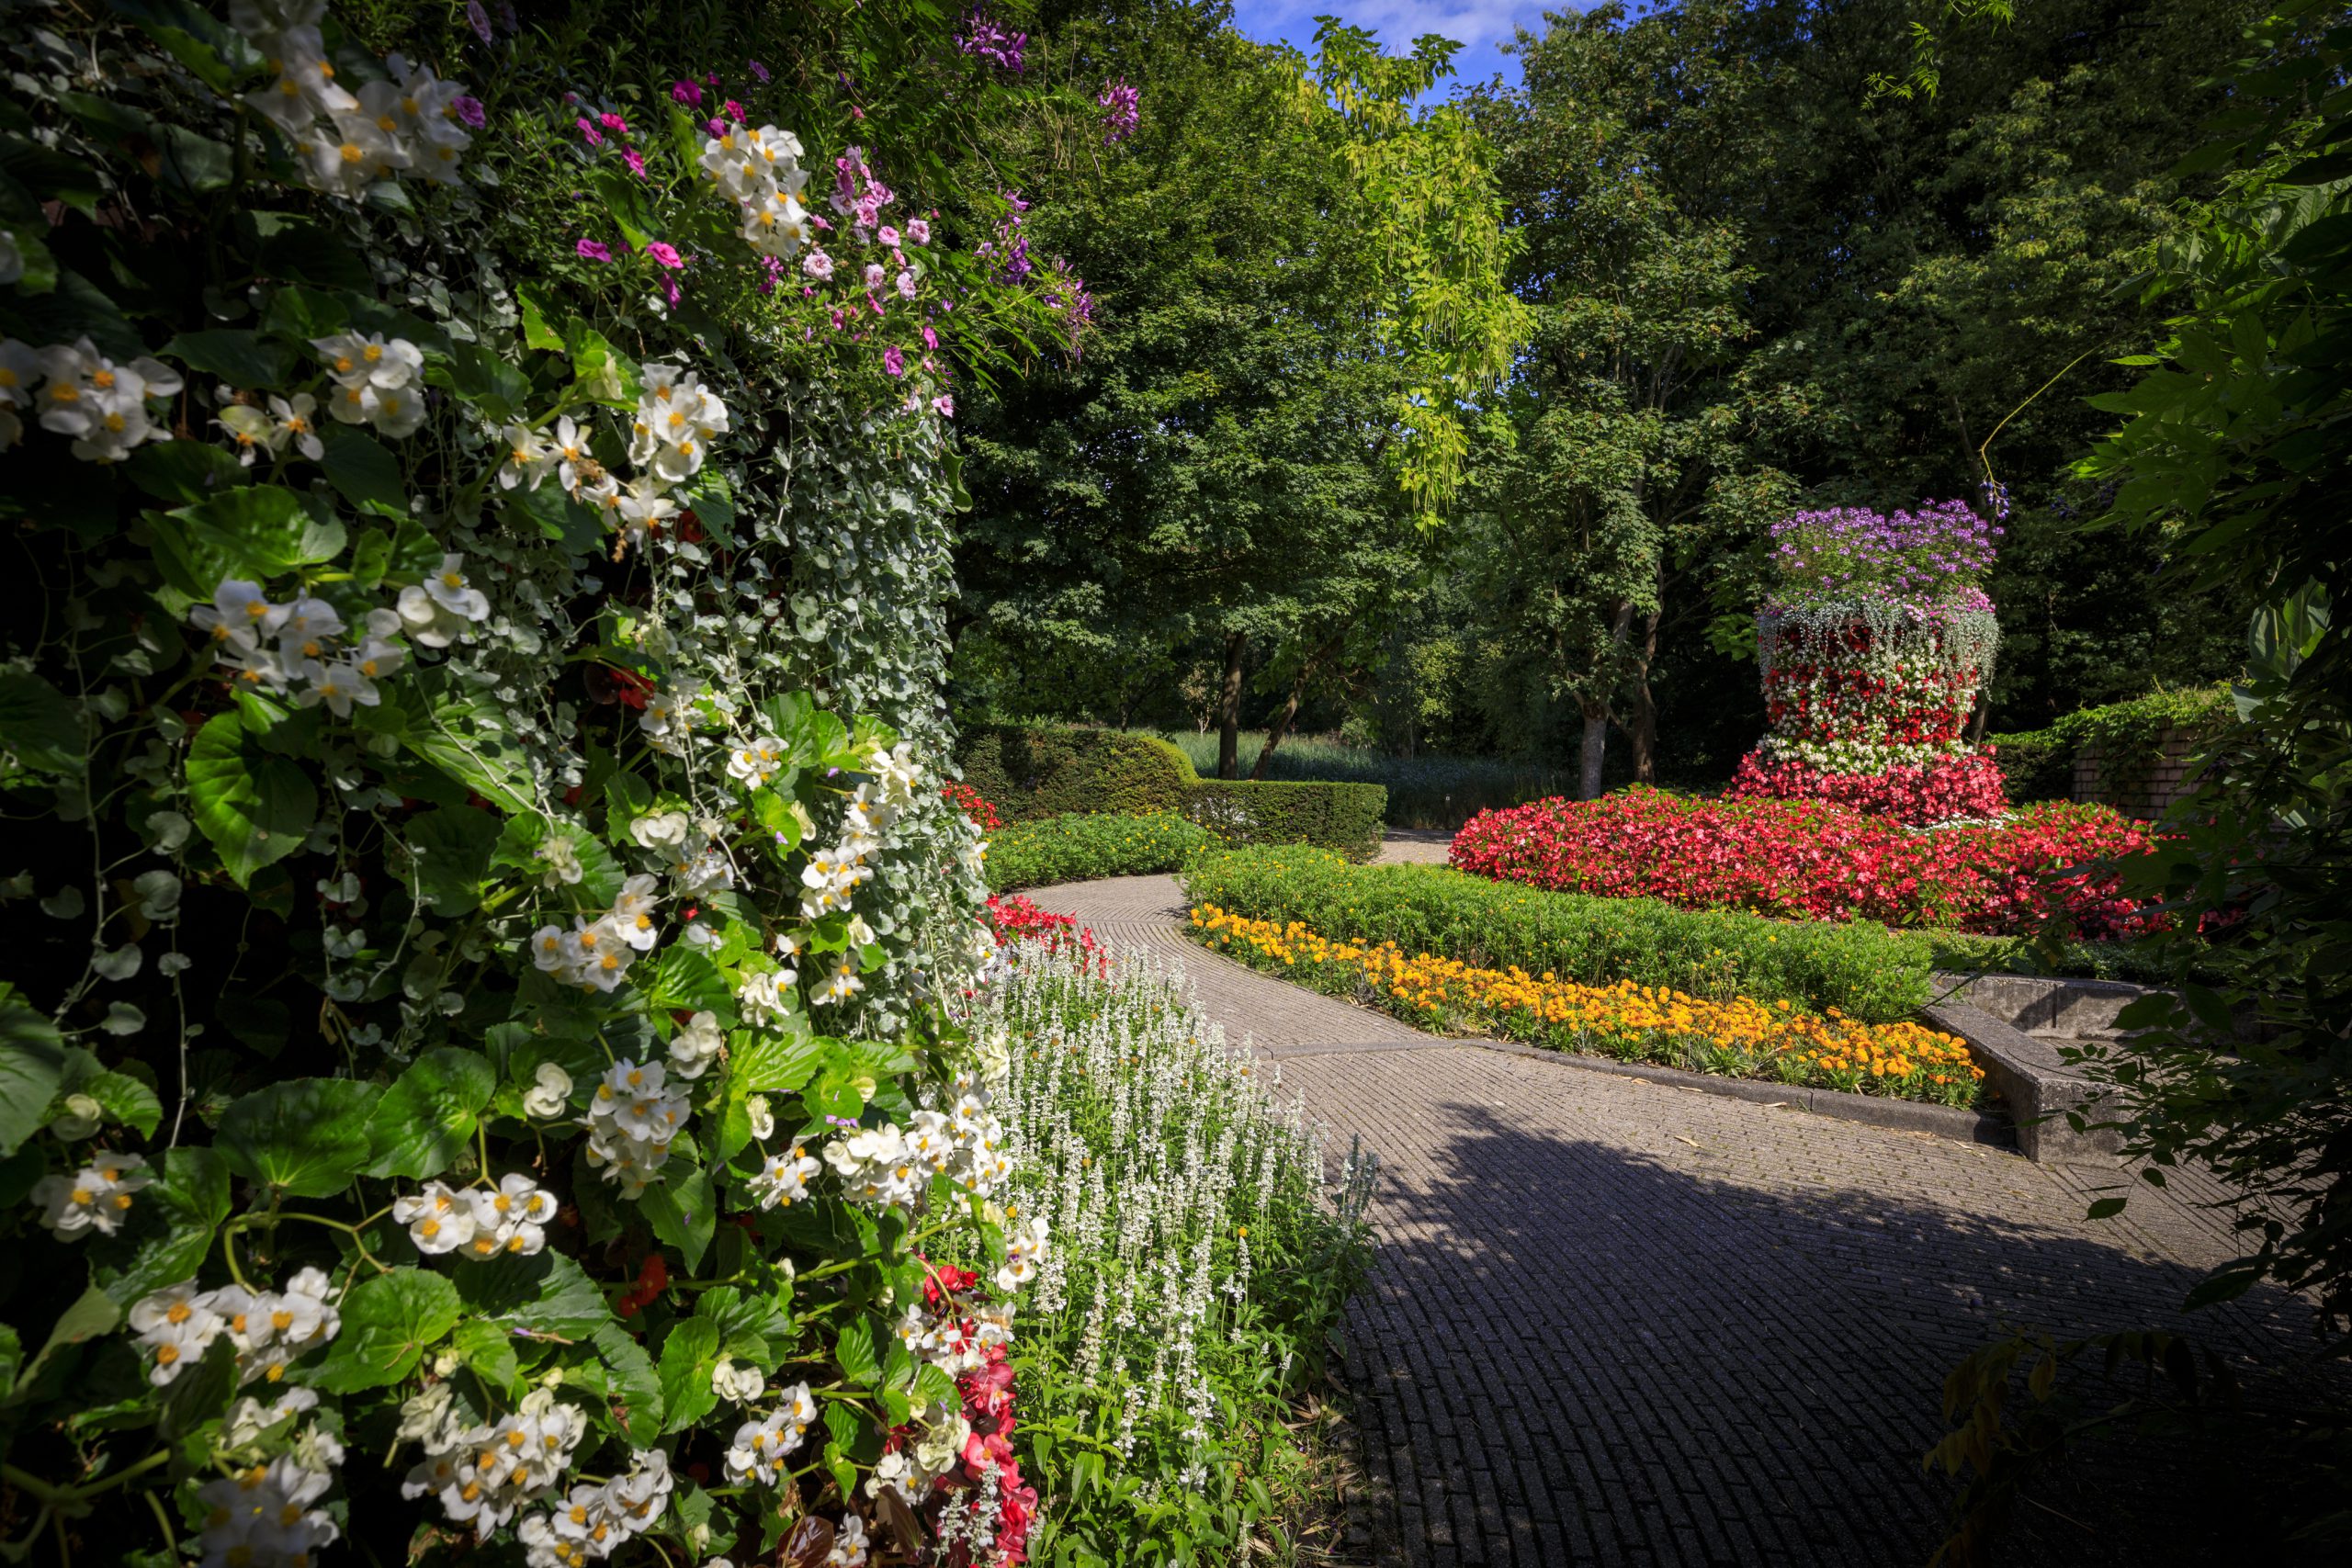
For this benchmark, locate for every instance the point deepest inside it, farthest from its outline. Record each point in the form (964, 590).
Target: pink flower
(918, 232)
(595, 138)
(469, 110)
(930, 338)
(888, 236)
(716, 126)
(666, 254)
(817, 264)
(669, 290)
(613, 122)
(873, 274)
(684, 93)
(594, 249)
(734, 111)
(943, 406)
(906, 286)
(893, 361)
(636, 161)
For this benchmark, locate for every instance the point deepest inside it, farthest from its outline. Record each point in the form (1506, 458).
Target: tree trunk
(1281, 727)
(1596, 743)
(1228, 732)
(1642, 731)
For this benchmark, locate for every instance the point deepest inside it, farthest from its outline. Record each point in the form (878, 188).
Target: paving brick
(1615, 1322)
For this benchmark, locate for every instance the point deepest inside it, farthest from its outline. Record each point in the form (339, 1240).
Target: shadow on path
(1572, 1352)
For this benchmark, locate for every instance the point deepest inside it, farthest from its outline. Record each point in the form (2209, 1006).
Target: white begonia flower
(396, 411)
(529, 459)
(339, 686)
(774, 224)
(631, 1121)
(570, 450)
(706, 872)
(257, 668)
(375, 658)
(561, 856)
(253, 430)
(742, 1384)
(252, 1518)
(354, 359)
(598, 954)
(643, 508)
(761, 1452)
(632, 915)
(860, 933)
(177, 1324)
(694, 1048)
(95, 1198)
(763, 998)
(549, 1095)
(676, 419)
(425, 1418)
(101, 403)
(19, 368)
(549, 952)
(669, 714)
(782, 1178)
(512, 1218)
(353, 156)
(453, 591)
(762, 1117)
(424, 620)
(849, 1544)
(1024, 1248)
(82, 1115)
(250, 1420)
(661, 829)
(439, 1219)
(297, 420)
(839, 984)
(238, 616)
(754, 762)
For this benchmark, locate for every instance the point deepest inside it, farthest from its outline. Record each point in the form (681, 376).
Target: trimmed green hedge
(1871, 972)
(2039, 764)
(1032, 773)
(1028, 773)
(1080, 848)
(1343, 817)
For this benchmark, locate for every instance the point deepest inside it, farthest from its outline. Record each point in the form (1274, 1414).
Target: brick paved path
(1616, 1322)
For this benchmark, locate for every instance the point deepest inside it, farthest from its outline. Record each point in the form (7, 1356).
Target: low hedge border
(1029, 773)
(1869, 972)
(1082, 848)
(2039, 764)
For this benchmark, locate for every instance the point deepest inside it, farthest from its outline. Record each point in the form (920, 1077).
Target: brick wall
(2144, 793)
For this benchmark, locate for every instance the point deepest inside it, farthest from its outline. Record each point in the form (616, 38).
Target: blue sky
(1477, 25)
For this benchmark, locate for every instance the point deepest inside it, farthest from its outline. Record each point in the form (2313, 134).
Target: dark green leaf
(93, 1312)
(32, 1064)
(544, 1294)
(854, 1351)
(304, 1138)
(688, 1356)
(185, 471)
(451, 848)
(426, 1119)
(682, 1212)
(388, 1322)
(126, 1099)
(191, 1201)
(624, 1374)
(488, 1350)
(255, 807)
(364, 471)
(243, 359)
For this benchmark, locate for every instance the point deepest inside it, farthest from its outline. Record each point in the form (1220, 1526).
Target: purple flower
(670, 289)
(685, 92)
(1122, 107)
(480, 20)
(716, 126)
(918, 232)
(594, 249)
(506, 18)
(984, 39)
(893, 361)
(773, 267)
(758, 70)
(594, 137)
(470, 112)
(666, 254)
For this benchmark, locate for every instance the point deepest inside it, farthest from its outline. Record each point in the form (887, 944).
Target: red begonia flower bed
(1812, 860)
(1936, 792)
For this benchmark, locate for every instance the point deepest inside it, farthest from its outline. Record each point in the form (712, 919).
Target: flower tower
(1875, 642)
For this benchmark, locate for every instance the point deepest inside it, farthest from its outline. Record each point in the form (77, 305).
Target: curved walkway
(1615, 1322)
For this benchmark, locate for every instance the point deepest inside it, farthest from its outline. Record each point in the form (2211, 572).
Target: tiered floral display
(475, 1074)
(1874, 644)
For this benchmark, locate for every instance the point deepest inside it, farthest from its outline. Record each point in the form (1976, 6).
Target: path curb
(1898, 1115)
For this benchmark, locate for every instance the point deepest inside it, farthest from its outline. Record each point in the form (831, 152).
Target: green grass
(1423, 791)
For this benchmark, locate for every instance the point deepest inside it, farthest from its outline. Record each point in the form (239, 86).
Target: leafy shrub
(481, 1062)
(1030, 773)
(1206, 1270)
(2035, 765)
(1080, 849)
(1424, 791)
(1738, 1037)
(1809, 860)
(2130, 737)
(1859, 966)
(1341, 817)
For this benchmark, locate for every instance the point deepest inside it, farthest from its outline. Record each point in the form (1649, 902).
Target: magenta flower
(685, 92)
(594, 249)
(893, 361)
(613, 122)
(758, 70)
(469, 110)
(670, 289)
(594, 137)
(930, 338)
(636, 161)
(734, 111)
(773, 267)
(918, 232)
(943, 406)
(666, 254)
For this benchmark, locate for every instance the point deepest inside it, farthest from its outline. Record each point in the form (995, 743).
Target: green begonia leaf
(547, 1294)
(682, 1211)
(490, 1351)
(32, 1064)
(364, 471)
(426, 1119)
(38, 726)
(305, 1138)
(388, 1323)
(190, 1203)
(688, 1356)
(623, 1374)
(255, 806)
(244, 360)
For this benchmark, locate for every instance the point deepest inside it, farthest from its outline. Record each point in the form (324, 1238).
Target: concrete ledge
(2035, 1004)
(1900, 1115)
(2037, 1084)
